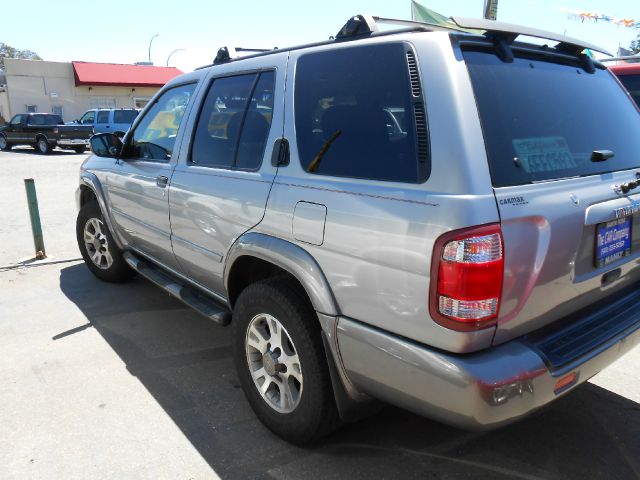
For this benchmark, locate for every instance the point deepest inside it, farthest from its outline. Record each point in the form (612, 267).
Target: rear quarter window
(124, 116)
(542, 120)
(355, 114)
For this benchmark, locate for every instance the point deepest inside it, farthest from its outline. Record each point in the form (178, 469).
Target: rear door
(570, 237)
(220, 191)
(102, 122)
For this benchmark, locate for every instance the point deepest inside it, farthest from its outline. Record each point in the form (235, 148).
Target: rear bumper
(474, 391)
(72, 142)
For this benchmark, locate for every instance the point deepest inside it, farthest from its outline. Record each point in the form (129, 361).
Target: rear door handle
(162, 181)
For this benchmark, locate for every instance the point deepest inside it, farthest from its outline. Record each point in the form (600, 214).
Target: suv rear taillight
(466, 278)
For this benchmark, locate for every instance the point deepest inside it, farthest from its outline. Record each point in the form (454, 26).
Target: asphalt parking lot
(122, 381)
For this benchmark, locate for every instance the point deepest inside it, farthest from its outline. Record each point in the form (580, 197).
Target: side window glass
(103, 116)
(257, 123)
(155, 135)
(16, 120)
(355, 114)
(88, 118)
(216, 136)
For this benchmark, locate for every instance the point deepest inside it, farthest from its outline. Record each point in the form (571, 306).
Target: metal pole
(176, 50)
(34, 214)
(150, 42)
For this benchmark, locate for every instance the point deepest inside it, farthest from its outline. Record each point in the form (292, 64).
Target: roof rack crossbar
(358, 25)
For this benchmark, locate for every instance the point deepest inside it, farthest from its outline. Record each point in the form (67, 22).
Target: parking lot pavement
(56, 179)
(122, 381)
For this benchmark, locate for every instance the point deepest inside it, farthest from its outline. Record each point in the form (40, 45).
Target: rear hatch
(570, 238)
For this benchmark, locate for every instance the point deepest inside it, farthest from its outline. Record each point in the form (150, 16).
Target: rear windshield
(632, 83)
(124, 116)
(542, 120)
(45, 120)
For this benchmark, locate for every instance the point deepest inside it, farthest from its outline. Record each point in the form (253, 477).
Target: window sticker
(543, 154)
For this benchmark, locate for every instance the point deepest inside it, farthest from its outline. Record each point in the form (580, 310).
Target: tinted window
(16, 120)
(256, 125)
(632, 83)
(355, 114)
(124, 116)
(44, 120)
(103, 116)
(542, 120)
(234, 123)
(155, 135)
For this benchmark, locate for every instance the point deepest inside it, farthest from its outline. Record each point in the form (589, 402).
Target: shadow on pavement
(185, 362)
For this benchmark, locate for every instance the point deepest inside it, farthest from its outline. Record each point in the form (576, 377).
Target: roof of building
(114, 74)
(626, 68)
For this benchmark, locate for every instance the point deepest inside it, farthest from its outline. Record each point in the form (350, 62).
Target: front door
(138, 185)
(220, 189)
(14, 133)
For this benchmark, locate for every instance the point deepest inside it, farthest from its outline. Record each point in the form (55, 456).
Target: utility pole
(491, 9)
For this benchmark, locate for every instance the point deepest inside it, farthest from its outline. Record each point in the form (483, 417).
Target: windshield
(543, 120)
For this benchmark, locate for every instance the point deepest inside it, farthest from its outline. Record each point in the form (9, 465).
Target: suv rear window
(542, 120)
(124, 116)
(355, 114)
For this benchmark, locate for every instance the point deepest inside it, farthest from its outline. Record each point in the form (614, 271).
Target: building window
(102, 102)
(57, 110)
(140, 102)
(31, 108)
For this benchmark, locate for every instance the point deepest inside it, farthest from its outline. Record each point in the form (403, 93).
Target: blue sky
(119, 31)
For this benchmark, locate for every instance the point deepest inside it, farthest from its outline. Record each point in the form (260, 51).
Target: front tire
(80, 149)
(4, 145)
(42, 145)
(280, 361)
(99, 251)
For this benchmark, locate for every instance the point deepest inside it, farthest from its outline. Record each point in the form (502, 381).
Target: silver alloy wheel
(96, 244)
(43, 146)
(3, 142)
(273, 363)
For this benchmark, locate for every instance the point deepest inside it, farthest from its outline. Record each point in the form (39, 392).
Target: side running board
(200, 302)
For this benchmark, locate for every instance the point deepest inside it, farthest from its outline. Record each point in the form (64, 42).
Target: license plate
(613, 241)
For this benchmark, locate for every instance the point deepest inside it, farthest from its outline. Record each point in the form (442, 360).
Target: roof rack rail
(509, 32)
(361, 26)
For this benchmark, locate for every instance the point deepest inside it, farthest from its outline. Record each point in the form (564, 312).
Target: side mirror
(106, 145)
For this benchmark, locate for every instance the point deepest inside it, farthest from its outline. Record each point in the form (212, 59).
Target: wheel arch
(90, 189)
(255, 256)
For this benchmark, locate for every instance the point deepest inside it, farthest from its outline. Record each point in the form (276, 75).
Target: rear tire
(4, 145)
(280, 361)
(42, 145)
(99, 251)
(80, 149)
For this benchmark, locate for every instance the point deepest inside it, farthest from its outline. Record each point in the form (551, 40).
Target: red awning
(118, 75)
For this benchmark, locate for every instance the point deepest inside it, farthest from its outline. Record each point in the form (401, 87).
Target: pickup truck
(44, 131)
(109, 120)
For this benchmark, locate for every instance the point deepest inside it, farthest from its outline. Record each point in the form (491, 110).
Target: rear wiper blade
(315, 163)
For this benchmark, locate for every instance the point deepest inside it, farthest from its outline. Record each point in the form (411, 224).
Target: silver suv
(442, 220)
